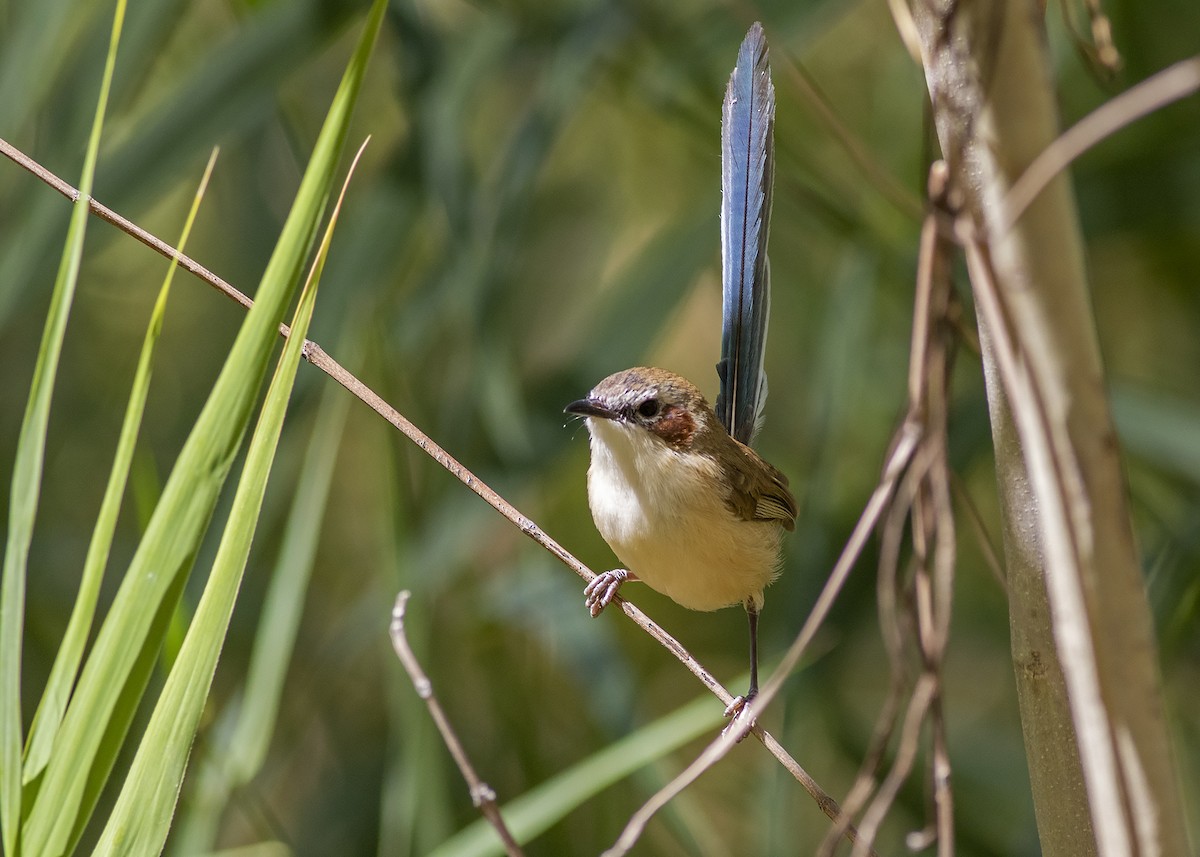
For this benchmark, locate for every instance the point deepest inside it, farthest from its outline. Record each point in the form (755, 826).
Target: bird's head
(661, 403)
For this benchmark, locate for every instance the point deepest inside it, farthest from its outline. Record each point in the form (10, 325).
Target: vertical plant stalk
(915, 594)
(1082, 638)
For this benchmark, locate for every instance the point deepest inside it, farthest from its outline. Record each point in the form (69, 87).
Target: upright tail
(747, 176)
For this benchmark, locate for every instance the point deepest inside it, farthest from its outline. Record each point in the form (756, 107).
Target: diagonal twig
(1155, 92)
(482, 794)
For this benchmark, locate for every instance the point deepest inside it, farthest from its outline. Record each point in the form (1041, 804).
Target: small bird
(674, 487)
(690, 511)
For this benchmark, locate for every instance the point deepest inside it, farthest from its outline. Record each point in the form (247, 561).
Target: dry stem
(482, 794)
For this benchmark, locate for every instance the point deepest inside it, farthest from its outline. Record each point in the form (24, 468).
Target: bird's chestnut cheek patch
(675, 426)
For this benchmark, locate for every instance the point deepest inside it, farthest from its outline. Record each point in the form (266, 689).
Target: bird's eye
(648, 408)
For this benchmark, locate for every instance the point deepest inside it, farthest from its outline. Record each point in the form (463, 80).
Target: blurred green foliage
(536, 209)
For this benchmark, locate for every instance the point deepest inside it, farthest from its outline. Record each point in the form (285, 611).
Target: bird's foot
(603, 589)
(737, 708)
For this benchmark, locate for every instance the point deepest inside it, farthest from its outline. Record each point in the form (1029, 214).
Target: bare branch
(984, 539)
(914, 606)
(108, 215)
(1155, 92)
(482, 795)
(909, 741)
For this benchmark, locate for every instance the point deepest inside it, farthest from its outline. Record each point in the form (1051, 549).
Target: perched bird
(673, 486)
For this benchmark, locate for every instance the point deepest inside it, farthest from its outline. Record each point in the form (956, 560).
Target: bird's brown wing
(759, 491)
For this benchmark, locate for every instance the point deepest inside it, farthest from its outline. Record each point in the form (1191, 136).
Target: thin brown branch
(983, 538)
(943, 795)
(914, 718)
(888, 585)
(906, 28)
(914, 607)
(1102, 38)
(482, 795)
(1100, 52)
(108, 215)
(1155, 92)
(864, 782)
(904, 445)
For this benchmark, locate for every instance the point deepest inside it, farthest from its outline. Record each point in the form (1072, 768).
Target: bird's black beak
(590, 408)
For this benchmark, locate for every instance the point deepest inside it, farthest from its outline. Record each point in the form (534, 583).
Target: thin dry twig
(1102, 38)
(1100, 51)
(905, 757)
(1155, 92)
(906, 28)
(983, 538)
(482, 795)
(914, 608)
(318, 357)
(127, 226)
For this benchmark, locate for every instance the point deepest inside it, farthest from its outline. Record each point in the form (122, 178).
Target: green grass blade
(173, 536)
(27, 471)
(142, 816)
(284, 603)
(250, 722)
(70, 653)
(538, 809)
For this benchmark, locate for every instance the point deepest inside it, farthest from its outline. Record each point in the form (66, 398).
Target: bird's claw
(736, 707)
(603, 589)
(735, 710)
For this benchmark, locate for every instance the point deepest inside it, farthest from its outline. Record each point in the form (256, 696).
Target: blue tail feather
(747, 177)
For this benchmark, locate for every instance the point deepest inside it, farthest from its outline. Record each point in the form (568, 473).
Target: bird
(674, 487)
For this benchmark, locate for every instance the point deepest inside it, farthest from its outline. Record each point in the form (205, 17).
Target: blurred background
(538, 207)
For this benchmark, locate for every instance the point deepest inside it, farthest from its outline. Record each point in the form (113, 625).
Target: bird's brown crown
(665, 404)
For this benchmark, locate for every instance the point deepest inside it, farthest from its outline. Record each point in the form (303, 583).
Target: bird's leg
(603, 589)
(740, 702)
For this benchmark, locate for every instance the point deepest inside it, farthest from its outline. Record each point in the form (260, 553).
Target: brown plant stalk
(482, 795)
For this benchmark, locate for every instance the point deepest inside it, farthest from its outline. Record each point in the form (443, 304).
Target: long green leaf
(66, 664)
(284, 602)
(172, 539)
(250, 722)
(27, 470)
(142, 816)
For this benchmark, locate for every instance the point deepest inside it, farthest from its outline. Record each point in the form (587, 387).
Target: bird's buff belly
(723, 562)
